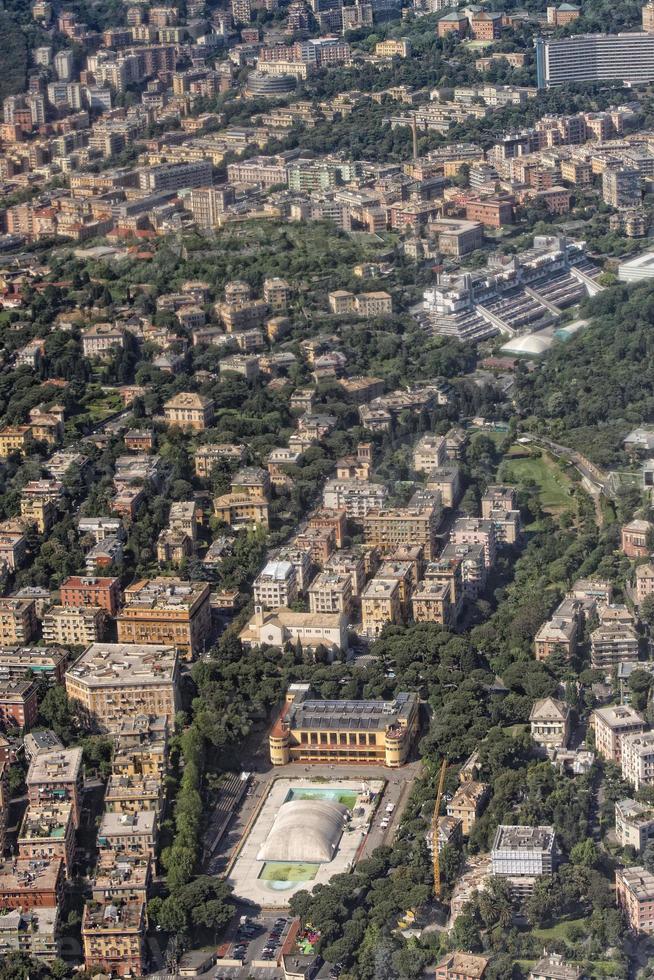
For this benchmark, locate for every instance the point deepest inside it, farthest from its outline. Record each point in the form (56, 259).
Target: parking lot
(256, 944)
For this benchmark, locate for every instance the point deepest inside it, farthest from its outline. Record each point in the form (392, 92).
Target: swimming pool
(347, 797)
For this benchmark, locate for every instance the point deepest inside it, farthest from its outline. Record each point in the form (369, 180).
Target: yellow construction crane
(434, 830)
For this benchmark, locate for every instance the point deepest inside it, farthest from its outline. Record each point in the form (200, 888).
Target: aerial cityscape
(327, 490)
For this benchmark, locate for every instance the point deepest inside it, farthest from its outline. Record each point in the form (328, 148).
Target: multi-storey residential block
(114, 937)
(613, 643)
(57, 776)
(300, 559)
(390, 528)
(446, 480)
(310, 730)
(431, 602)
(355, 497)
(48, 663)
(166, 611)
(210, 455)
(74, 626)
(561, 632)
(104, 593)
(320, 542)
(522, 854)
(610, 725)
(550, 723)
(552, 966)
(14, 439)
(34, 934)
(188, 410)
(47, 832)
(644, 581)
(330, 520)
(275, 585)
(467, 804)
(473, 530)
(132, 794)
(381, 605)
(241, 510)
(634, 538)
(634, 824)
(133, 834)
(31, 884)
(331, 592)
(638, 759)
(18, 704)
(429, 452)
(112, 682)
(634, 893)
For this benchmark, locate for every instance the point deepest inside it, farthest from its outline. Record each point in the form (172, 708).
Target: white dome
(305, 830)
(528, 344)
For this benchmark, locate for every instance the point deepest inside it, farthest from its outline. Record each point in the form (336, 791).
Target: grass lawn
(560, 930)
(278, 871)
(554, 485)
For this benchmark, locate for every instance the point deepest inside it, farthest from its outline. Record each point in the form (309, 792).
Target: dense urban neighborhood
(327, 490)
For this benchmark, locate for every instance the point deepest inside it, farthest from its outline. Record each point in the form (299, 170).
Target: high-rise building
(595, 58)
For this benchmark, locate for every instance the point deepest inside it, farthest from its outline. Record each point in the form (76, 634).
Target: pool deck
(245, 871)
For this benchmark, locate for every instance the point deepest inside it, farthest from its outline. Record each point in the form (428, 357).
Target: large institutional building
(374, 732)
(595, 58)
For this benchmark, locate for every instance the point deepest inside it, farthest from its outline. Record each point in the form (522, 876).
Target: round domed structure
(259, 83)
(531, 344)
(305, 831)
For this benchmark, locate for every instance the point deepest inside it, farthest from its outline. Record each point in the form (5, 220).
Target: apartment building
(381, 605)
(112, 682)
(188, 410)
(349, 562)
(429, 452)
(611, 725)
(431, 602)
(212, 454)
(18, 704)
(560, 633)
(522, 854)
(114, 937)
(275, 585)
(132, 834)
(132, 794)
(320, 542)
(634, 893)
(467, 804)
(638, 759)
(241, 510)
(621, 187)
(389, 528)
(613, 643)
(341, 732)
(330, 520)
(446, 480)
(47, 663)
(57, 776)
(634, 824)
(644, 581)
(473, 530)
(47, 832)
(552, 966)
(166, 611)
(14, 439)
(103, 593)
(183, 517)
(331, 592)
(355, 497)
(74, 626)
(550, 723)
(34, 934)
(26, 884)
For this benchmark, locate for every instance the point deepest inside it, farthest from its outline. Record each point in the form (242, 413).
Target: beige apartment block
(167, 611)
(113, 682)
(610, 725)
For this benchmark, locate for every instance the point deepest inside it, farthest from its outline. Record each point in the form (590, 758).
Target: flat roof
(57, 766)
(523, 838)
(125, 664)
